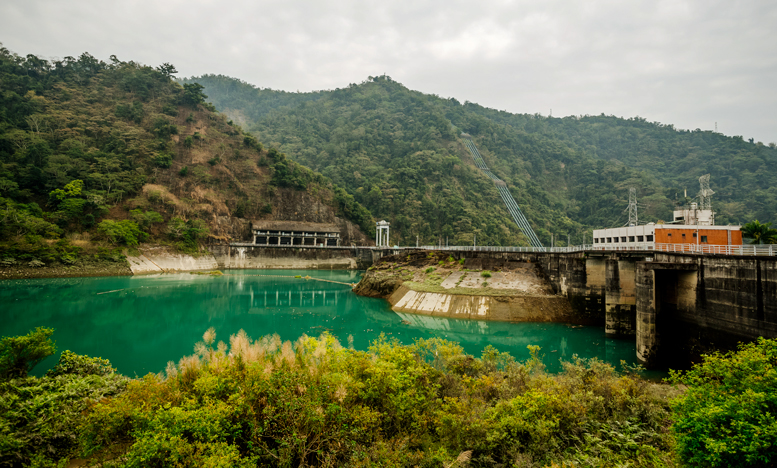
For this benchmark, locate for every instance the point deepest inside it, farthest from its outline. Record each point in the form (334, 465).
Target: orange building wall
(714, 236)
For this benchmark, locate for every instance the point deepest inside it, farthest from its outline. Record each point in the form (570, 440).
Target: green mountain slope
(398, 152)
(118, 153)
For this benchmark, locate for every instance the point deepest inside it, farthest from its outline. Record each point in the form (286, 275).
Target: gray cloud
(690, 63)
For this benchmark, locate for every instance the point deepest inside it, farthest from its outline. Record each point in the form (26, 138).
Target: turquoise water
(140, 323)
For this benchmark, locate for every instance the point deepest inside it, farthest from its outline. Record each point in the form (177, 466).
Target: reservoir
(140, 323)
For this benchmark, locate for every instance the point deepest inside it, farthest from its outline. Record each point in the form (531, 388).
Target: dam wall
(676, 306)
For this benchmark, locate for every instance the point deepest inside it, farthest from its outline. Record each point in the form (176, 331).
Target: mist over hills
(398, 152)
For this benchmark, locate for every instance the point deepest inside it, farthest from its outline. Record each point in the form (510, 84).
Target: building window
(670, 234)
(631, 238)
(623, 239)
(609, 239)
(694, 234)
(615, 239)
(640, 238)
(596, 240)
(704, 239)
(649, 237)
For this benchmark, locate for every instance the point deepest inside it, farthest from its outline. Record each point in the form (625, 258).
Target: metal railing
(769, 249)
(746, 250)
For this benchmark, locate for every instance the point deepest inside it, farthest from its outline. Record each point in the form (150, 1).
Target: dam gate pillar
(664, 291)
(620, 297)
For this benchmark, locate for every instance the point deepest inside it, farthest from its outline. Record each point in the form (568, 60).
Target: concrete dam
(672, 304)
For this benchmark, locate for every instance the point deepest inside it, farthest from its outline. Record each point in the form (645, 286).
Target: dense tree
(567, 174)
(80, 137)
(760, 233)
(20, 354)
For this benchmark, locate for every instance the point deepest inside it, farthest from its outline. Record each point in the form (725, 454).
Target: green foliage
(429, 270)
(485, 274)
(728, 415)
(193, 94)
(163, 160)
(164, 128)
(20, 354)
(397, 152)
(315, 403)
(72, 363)
(251, 142)
(18, 219)
(759, 233)
(187, 233)
(124, 232)
(71, 190)
(169, 109)
(40, 417)
(132, 112)
(145, 219)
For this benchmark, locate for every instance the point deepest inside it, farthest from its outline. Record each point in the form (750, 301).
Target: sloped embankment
(435, 283)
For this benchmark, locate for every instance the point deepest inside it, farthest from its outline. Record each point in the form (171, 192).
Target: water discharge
(140, 323)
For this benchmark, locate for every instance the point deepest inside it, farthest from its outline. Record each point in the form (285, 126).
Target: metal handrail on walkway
(745, 250)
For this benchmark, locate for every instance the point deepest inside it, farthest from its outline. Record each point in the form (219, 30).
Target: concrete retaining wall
(159, 260)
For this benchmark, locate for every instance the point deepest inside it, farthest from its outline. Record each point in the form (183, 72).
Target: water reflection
(140, 323)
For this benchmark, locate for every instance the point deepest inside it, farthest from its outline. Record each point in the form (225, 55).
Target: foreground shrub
(40, 417)
(271, 403)
(728, 416)
(20, 354)
(314, 403)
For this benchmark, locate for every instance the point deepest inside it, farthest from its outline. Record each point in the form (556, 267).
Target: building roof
(296, 226)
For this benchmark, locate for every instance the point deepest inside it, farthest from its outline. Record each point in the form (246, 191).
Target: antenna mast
(633, 219)
(705, 194)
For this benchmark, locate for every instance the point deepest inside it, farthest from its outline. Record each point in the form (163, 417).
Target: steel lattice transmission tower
(705, 194)
(633, 218)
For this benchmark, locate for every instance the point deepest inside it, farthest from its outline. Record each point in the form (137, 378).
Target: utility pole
(416, 241)
(633, 220)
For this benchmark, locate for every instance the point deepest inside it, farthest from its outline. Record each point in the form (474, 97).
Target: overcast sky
(686, 63)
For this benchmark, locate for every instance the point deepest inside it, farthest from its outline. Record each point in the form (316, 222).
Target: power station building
(691, 226)
(295, 233)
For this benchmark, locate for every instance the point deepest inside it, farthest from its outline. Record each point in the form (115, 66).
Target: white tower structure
(705, 193)
(382, 234)
(698, 214)
(633, 219)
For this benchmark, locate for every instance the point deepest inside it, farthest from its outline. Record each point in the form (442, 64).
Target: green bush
(20, 354)
(429, 270)
(72, 363)
(485, 274)
(187, 233)
(163, 160)
(40, 417)
(145, 219)
(124, 232)
(728, 415)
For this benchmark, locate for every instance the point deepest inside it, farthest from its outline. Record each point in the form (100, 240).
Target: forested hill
(119, 153)
(398, 152)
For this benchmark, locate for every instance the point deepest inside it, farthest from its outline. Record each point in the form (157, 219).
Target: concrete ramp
(498, 308)
(160, 260)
